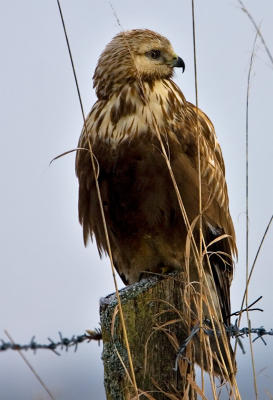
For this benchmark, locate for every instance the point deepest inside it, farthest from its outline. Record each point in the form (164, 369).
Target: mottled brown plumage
(146, 228)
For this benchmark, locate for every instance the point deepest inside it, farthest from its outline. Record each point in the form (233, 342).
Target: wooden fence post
(154, 337)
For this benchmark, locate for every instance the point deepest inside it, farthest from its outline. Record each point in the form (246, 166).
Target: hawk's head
(136, 54)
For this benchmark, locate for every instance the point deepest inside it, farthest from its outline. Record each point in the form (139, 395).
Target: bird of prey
(137, 102)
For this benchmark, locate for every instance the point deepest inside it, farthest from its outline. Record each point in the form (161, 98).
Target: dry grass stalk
(249, 274)
(257, 29)
(37, 376)
(247, 215)
(92, 158)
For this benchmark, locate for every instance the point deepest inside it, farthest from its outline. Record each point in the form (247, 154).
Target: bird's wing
(195, 127)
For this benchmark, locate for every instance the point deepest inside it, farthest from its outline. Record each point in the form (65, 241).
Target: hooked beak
(179, 63)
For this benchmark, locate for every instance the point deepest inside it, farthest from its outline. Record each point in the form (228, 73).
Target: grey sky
(49, 281)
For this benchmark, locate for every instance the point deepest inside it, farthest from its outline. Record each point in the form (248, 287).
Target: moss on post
(155, 332)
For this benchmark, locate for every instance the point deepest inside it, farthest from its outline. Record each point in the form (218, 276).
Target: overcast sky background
(49, 281)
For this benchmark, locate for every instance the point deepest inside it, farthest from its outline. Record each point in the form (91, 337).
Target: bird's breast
(126, 114)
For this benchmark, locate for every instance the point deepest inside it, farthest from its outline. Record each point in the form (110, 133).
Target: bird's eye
(155, 54)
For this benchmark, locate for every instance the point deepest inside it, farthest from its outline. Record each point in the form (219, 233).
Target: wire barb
(248, 308)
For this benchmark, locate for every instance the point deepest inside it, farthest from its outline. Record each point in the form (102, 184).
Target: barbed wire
(63, 343)
(233, 330)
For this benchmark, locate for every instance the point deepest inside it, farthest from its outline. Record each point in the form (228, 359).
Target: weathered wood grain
(150, 314)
